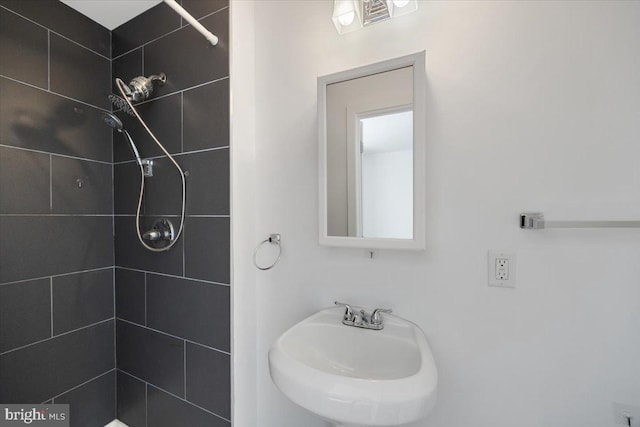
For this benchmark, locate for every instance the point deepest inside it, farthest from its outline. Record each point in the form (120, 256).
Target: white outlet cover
(493, 256)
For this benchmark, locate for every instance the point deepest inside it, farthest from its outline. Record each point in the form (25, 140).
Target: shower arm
(213, 39)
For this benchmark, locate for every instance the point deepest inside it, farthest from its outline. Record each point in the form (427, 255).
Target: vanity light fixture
(351, 15)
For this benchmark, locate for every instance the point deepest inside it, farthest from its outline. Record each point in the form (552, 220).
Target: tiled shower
(87, 316)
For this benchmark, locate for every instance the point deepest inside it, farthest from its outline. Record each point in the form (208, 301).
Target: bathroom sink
(356, 377)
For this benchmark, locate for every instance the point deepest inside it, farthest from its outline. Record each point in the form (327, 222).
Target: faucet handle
(376, 318)
(348, 311)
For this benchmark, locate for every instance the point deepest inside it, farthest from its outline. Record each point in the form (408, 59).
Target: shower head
(113, 121)
(142, 87)
(120, 103)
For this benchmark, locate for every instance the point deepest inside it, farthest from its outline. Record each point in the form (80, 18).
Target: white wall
(243, 223)
(531, 106)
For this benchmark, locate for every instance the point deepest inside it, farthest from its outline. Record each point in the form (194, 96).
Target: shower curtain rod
(193, 21)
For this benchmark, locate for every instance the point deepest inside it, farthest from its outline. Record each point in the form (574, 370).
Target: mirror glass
(368, 145)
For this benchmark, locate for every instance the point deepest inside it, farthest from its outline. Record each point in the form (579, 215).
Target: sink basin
(356, 377)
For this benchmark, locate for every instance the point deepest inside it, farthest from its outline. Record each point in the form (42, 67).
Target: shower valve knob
(152, 235)
(162, 231)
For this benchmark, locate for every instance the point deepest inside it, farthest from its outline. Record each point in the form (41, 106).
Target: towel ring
(274, 239)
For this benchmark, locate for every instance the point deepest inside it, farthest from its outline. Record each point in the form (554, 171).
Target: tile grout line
(51, 302)
(56, 336)
(54, 32)
(182, 122)
(184, 236)
(55, 154)
(184, 248)
(48, 59)
(129, 215)
(186, 89)
(84, 383)
(184, 347)
(56, 275)
(173, 336)
(54, 93)
(50, 183)
(145, 299)
(148, 384)
(169, 32)
(209, 282)
(146, 403)
(50, 215)
(203, 150)
(115, 348)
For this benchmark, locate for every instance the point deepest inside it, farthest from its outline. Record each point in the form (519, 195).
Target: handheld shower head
(113, 121)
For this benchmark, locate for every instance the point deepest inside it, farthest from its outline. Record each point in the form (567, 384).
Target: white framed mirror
(371, 132)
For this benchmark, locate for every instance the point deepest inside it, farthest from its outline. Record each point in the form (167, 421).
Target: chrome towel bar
(536, 221)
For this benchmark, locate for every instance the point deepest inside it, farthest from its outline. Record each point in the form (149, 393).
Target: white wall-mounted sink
(353, 376)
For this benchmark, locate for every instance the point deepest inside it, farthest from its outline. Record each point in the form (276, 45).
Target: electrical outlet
(502, 269)
(626, 415)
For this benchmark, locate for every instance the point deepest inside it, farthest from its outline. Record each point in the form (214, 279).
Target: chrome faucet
(362, 319)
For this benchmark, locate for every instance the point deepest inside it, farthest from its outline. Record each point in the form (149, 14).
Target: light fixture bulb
(400, 3)
(344, 12)
(346, 18)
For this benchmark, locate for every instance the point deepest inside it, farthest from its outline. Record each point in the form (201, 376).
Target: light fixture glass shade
(400, 3)
(403, 7)
(346, 16)
(351, 15)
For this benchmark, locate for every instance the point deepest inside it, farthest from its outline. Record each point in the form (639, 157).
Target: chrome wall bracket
(147, 166)
(531, 221)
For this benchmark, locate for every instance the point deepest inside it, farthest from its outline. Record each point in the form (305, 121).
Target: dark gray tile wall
(41, 120)
(130, 296)
(79, 73)
(24, 181)
(54, 366)
(132, 400)
(57, 334)
(82, 299)
(27, 43)
(25, 313)
(151, 356)
(56, 211)
(91, 404)
(36, 246)
(208, 382)
(164, 410)
(193, 305)
(62, 19)
(173, 334)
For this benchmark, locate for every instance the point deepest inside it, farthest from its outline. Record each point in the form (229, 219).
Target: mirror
(371, 139)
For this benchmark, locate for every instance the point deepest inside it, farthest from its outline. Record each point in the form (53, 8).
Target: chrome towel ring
(274, 239)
